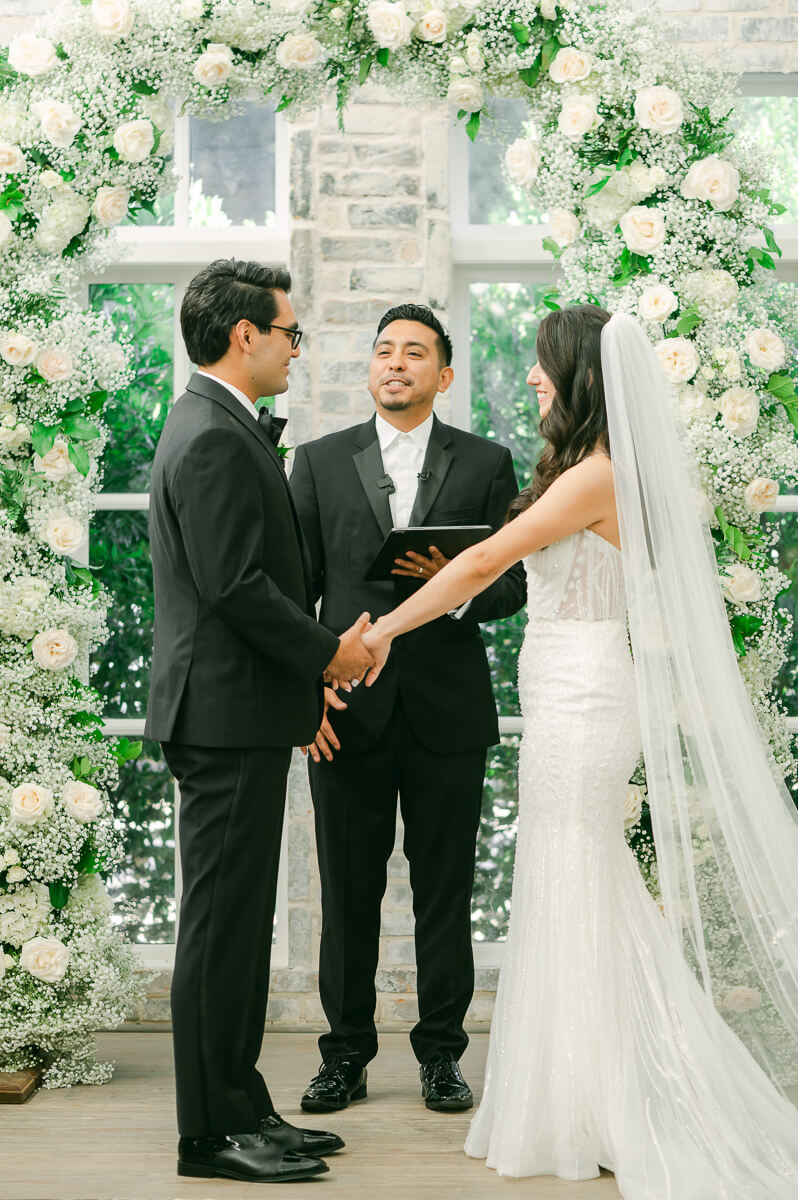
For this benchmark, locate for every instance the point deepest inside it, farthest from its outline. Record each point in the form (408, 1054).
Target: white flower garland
(655, 208)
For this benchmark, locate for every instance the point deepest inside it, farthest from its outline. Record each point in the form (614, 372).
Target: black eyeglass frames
(296, 334)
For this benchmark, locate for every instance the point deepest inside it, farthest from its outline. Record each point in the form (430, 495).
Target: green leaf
(74, 406)
(688, 321)
(363, 70)
(472, 125)
(383, 56)
(598, 185)
(742, 627)
(781, 385)
(78, 427)
(521, 32)
(733, 536)
(87, 863)
(550, 302)
(284, 103)
(43, 437)
(549, 51)
(127, 751)
(59, 894)
(770, 240)
(530, 75)
(78, 456)
(142, 88)
(553, 247)
(96, 401)
(81, 767)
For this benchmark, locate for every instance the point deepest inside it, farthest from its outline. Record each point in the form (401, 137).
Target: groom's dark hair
(425, 316)
(222, 294)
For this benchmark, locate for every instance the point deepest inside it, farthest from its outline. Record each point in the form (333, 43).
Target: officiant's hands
(352, 659)
(326, 741)
(419, 566)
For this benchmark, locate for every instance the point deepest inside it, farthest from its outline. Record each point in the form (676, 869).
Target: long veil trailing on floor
(725, 828)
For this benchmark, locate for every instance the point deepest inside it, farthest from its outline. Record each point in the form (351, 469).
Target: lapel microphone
(424, 475)
(387, 484)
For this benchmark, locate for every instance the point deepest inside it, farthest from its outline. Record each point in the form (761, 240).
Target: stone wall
(370, 227)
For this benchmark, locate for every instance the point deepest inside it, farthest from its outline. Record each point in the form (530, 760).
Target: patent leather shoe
(244, 1156)
(314, 1143)
(443, 1086)
(339, 1081)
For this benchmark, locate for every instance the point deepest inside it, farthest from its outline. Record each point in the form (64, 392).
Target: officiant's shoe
(244, 1156)
(339, 1081)
(443, 1086)
(313, 1142)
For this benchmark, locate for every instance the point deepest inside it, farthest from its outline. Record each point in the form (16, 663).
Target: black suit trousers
(354, 800)
(231, 817)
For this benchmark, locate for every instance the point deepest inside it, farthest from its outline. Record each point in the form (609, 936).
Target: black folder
(450, 540)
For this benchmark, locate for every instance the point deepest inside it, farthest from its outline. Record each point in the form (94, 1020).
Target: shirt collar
(387, 433)
(239, 395)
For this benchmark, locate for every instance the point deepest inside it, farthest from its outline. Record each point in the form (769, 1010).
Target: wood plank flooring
(118, 1142)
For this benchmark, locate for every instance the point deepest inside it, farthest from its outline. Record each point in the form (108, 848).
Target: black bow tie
(273, 426)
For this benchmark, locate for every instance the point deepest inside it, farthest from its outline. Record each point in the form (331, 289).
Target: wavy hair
(569, 351)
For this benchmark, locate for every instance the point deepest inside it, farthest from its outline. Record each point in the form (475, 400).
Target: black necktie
(273, 426)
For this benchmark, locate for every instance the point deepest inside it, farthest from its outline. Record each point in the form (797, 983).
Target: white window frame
(172, 255)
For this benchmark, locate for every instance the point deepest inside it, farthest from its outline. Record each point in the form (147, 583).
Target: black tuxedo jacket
(441, 669)
(238, 653)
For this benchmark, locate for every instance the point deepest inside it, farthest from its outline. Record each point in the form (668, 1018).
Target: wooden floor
(118, 1142)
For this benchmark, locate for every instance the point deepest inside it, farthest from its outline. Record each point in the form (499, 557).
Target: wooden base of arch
(17, 1086)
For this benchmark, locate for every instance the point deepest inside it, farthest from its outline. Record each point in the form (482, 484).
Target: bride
(649, 1039)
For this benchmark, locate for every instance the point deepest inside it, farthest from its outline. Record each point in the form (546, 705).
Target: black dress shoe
(339, 1081)
(443, 1086)
(245, 1156)
(313, 1142)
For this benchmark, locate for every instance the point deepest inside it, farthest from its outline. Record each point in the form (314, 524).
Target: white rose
(111, 18)
(710, 285)
(31, 55)
(54, 364)
(677, 358)
(82, 801)
(12, 120)
(765, 349)
(657, 303)
(578, 115)
(658, 108)
(761, 494)
(740, 584)
(192, 10)
(645, 179)
(6, 229)
(46, 958)
(30, 592)
(390, 25)
(643, 229)
(51, 179)
(110, 205)
(16, 349)
(739, 408)
(299, 51)
(432, 26)
(570, 65)
(466, 92)
(12, 160)
(564, 225)
(62, 220)
(63, 533)
(548, 10)
(633, 805)
(5, 734)
(741, 999)
(55, 464)
(728, 361)
(714, 180)
(522, 160)
(134, 140)
(474, 58)
(695, 404)
(214, 66)
(30, 802)
(54, 649)
(58, 122)
(16, 874)
(13, 433)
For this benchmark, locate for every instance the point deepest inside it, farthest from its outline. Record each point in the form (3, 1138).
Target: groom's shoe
(443, 1086)
(312, 1142)
(339, 1081)
(244, 1156)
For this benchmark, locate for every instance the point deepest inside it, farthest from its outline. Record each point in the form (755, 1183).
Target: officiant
(422, 733)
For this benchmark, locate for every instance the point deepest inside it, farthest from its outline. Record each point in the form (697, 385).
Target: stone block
(397, 952)
(398, 921)
(761, 58)
(157, 983)
(351, 249)
(438, 262)
(367, 183)
(731, 6)
(396, 1011)
(677, 6)
(293, 979)
(436, 162)
(352, 312)
(344, 371)
(398, 865)
(301, 175)
(398, 895)
(377, 216)
(303, 262)
(311, 1013)
(486, 979)
(391, 281)
(769, 29)
(333, 149)
(377, 119)
(396, 980)
(480, 1010)
(299, 918)
(332, 424)
(299, 430)
(333, 277)
(154, 1009)
(362, 342)
(334, 402)
(410, 251)
(299, 853)
(387, 154)
(705, 29)
(283, 1010)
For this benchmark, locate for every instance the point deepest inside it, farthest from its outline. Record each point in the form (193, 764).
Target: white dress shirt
(239, 395)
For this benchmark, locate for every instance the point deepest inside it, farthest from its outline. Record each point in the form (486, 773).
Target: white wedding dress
(604, 1049)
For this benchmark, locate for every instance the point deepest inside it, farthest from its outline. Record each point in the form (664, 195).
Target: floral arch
(656, 209)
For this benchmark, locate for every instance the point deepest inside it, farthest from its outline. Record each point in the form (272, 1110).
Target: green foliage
(493, 878)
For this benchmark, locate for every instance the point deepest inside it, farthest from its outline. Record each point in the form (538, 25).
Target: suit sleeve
(508, 594)
(306, 503)
(219, 504)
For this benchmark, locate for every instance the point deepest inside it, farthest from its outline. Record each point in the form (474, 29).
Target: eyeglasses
(296, 334)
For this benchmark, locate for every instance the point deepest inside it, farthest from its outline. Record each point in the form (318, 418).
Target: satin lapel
(436, 465)
(368, 464)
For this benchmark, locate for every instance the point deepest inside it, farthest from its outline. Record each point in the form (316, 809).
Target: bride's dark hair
(569, 351)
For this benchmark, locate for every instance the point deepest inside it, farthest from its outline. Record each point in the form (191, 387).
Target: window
(222, 207)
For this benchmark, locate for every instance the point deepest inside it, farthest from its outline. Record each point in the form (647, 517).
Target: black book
(450, 540)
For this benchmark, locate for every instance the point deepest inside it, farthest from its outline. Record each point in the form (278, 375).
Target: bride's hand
(379, 646)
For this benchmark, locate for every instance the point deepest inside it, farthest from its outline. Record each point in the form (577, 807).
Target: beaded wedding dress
(604, 1049)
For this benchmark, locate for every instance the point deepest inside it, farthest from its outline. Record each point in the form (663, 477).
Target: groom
(423, 730)
(236, 682)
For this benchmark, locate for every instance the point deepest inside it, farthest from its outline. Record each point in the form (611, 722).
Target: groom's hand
(326, 741)
(352, 659)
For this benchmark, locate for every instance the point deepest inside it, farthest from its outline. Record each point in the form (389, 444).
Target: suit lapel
(368, 464)
(438, 459)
